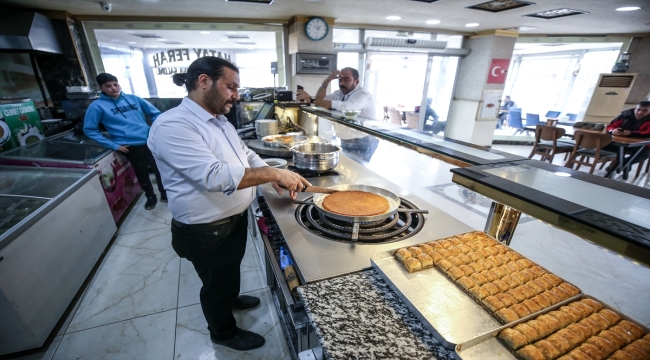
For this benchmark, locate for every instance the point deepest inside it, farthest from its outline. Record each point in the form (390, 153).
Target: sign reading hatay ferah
(498, 71)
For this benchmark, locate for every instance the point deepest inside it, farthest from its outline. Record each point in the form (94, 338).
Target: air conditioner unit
(609, 97)
(373, 43)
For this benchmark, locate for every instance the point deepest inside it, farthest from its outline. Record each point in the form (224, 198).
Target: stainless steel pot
(316, 156)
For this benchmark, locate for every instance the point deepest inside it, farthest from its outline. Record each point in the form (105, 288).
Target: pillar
(472, 82)
(300, 43)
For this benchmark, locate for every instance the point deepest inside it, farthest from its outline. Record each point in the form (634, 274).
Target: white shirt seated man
(350, 95)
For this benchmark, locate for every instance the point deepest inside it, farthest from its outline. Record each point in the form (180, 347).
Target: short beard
(215, 102)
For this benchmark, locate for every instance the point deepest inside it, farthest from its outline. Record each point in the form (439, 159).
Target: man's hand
(621, 132)
(291, 181)
(334, 75)
(302, 95)
(123, 149)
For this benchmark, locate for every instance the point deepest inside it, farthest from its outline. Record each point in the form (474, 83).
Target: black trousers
(643, 155)
(216, 251)
(141, 158)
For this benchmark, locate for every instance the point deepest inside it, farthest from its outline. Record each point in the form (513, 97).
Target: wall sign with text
(317, 64)
(162, 59)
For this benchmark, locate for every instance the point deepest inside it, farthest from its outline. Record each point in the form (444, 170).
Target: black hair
(643, 103)
(209, 65)
(103, 78)
(355, 73)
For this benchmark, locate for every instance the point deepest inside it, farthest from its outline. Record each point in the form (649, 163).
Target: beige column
(463, 123)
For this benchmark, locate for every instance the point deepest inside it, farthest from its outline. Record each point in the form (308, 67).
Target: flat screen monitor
(265, 111)
(552, 115)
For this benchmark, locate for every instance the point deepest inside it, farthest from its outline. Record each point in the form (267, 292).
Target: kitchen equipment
(284, 140)
(393, 200)
(351, 114)
(266, 127)
(316, 156)
(318, 189)
(487, 346)
(276, 163)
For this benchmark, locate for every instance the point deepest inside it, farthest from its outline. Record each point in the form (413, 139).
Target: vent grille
(616, 81)
(246, 42)
(238, 36)
(375, 43)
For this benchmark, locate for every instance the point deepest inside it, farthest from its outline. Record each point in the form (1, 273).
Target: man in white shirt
(350, 95)
(210, 178)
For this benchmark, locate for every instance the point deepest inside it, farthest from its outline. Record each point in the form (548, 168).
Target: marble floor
(143, 303)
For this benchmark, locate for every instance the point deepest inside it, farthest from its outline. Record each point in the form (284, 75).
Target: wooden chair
(551, 122)
(640, 166)
(412, 119)
(546, 143)
(589, 145)
(394, 117)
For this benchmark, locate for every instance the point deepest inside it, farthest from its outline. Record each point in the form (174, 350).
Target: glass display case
(54, 226)
(76, 150)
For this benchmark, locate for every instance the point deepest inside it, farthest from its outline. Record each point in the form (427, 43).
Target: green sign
(19, 125)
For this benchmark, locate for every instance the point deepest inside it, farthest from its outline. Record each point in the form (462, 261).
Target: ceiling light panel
(628, 8)
(500, 5)
(556, 13)
(147, 36)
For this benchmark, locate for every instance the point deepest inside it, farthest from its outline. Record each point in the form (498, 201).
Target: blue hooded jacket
(122, 117)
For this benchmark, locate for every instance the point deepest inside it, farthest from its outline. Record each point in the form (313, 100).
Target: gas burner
(312, 173)
(400, 226)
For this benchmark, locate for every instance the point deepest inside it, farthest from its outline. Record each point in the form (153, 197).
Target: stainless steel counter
(319, 258)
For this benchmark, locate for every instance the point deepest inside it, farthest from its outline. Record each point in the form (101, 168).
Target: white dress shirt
(201, 161)
(359, 98)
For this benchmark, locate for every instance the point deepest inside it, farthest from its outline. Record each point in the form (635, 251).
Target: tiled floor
(143, 303)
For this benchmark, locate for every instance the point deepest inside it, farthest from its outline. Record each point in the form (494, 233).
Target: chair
(589, 145)
(551, 122)
(572, 117)
(552, 114)
(546, 143)
(640, 166)
(532, 119)
(412, 119)
(514, 121)
(394, 117)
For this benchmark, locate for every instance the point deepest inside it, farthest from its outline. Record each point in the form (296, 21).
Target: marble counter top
(358, 316)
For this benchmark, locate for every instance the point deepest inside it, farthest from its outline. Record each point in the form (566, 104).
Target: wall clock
(316, 28)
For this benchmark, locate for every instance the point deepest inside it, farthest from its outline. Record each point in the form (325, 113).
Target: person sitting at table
(507, 103)
(350, 95)
(634, 123)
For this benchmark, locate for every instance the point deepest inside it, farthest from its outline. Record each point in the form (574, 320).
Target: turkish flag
(498, 71)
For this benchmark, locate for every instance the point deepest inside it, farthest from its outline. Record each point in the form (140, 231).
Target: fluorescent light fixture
(433, 22)
(472, 25)
(393, 17)
(204, 32)
(153, 46)
(161, 40)
(628, 8)
(562, 174)
(224, 39)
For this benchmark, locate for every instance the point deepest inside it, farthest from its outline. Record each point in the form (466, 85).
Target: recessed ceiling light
(393, 17)
(224, 39)
(433, 22)
(153, 46)
(472, 25)
(628, 8)
(161, 39)
(205, 32)
(133, 42)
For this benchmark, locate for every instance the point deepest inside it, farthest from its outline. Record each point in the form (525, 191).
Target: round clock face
(316, 29)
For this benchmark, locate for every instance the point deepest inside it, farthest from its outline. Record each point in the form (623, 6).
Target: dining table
(621, 142)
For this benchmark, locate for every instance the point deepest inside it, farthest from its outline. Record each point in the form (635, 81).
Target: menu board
(19, 124)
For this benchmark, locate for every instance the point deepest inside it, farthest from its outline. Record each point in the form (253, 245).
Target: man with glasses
(350, 95)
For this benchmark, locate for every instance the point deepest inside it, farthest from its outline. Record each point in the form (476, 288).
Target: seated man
(503, 113)
(632, 123)
(350, 95)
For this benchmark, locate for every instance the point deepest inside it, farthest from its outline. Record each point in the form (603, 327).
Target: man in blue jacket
(123, 117)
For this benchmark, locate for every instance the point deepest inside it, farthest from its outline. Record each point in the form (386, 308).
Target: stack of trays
(584, 328)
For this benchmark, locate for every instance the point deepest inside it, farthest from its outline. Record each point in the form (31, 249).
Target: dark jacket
(627, 121)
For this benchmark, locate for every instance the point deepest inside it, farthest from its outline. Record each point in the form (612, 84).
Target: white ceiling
(602, 18)
(188, 39)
